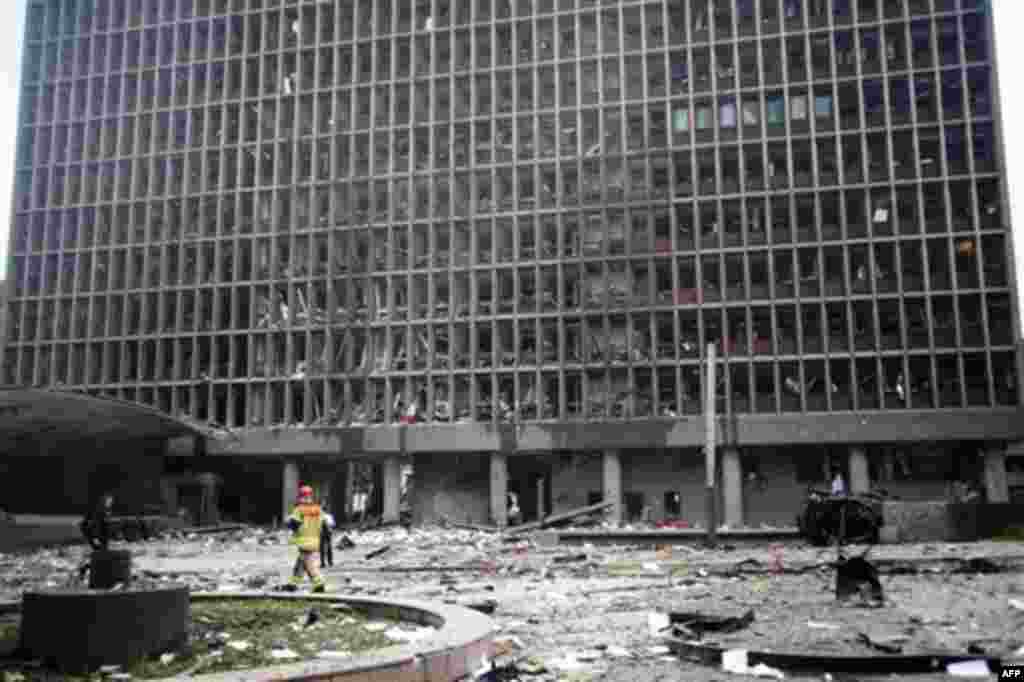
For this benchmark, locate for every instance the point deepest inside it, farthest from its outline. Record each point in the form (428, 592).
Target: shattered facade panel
(521, 212)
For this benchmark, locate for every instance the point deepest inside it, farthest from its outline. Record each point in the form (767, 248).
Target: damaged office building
(485, 246)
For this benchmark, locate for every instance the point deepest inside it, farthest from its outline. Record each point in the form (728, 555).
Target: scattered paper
(658, 623)
(167, 659)
(969, 669)
(651, 567)
(283, 654)
(660, 650)
(1017, 604)
(568, 663)
(821, 626)
(618, 652)
(239, 645)
(376, 627)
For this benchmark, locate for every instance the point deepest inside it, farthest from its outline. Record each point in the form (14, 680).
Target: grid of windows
(263, 211)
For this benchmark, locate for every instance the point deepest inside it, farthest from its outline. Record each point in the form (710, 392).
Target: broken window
(786, 330)
(710, 225)
(792, 386)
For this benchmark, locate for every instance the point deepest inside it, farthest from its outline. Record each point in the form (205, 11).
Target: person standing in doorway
(326, 540)
(306, 523)
(838, 483)
(515, 514)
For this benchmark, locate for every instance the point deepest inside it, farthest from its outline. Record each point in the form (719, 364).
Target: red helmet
(305, 492)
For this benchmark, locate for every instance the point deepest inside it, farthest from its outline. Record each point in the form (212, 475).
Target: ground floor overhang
(737, 431)
(44, 421)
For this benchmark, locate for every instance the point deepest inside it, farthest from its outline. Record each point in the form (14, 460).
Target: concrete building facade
(493, 239)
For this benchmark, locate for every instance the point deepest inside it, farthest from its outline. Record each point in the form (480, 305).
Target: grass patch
(261, 624)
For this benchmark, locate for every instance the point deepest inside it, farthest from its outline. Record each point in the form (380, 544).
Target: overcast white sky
(1010, 47)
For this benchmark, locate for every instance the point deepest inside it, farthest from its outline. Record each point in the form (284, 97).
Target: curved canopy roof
(36, 414)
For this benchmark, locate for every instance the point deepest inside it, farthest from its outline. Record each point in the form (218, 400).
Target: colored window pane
(681, 120)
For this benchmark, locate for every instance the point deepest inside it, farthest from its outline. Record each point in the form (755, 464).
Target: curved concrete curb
(789, 663)
(458, 649)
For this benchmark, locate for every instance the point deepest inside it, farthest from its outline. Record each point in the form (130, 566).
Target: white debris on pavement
(283, 654)
(238, 645)
(735, 661)
(658, 623)
(821, 626)
(975, 668)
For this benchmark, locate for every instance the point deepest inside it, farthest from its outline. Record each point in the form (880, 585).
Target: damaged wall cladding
(382, 212)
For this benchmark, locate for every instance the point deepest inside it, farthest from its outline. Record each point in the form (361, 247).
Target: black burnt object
(810, 664)
(83, 630)
(109, 568)
(827, 519)
(856, 576)
(696, 624)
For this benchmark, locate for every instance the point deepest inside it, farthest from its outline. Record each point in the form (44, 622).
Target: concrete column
(392, 489)
(499, 489)
(169, 491)
(860, 474)
(209, 509)
(996, 488)
(888, 465)
(732, 487)
(350, 487)
(541, 499)
(289, 487)
(613, 485)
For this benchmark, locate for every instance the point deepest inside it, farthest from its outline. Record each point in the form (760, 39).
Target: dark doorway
(529, 477)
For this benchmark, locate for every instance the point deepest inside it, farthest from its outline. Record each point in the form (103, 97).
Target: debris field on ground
(583, 612)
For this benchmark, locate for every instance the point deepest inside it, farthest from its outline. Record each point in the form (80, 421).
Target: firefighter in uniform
(306, 522)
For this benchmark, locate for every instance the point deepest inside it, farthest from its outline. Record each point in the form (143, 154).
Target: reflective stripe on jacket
(310, 519)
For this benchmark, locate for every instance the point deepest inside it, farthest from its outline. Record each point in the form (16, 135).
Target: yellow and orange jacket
(310, 519)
